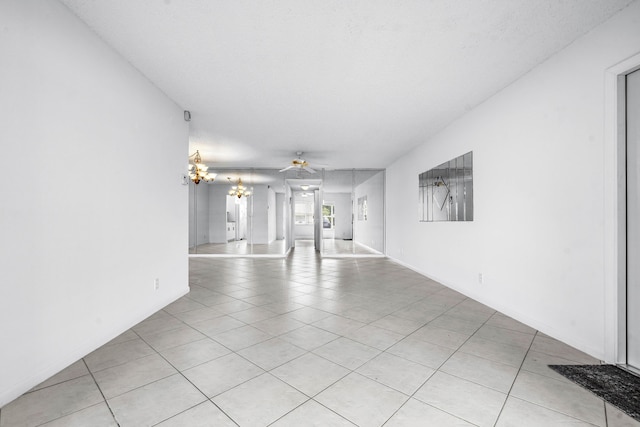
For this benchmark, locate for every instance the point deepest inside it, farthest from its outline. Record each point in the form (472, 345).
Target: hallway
(326, 342)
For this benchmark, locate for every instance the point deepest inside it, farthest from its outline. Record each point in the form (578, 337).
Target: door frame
(615, 285)
(290, 193)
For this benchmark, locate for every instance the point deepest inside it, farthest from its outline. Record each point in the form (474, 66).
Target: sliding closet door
(633, 219)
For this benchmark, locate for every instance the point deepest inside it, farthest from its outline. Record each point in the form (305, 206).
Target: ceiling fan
(299, 163)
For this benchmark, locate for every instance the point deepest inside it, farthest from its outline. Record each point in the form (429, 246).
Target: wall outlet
(156, 284)
(480, 278)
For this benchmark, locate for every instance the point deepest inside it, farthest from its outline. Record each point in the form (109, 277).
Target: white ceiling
(351, 83)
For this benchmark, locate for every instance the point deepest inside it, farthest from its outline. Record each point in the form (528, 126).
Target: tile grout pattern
(311, 341)
(331, 247)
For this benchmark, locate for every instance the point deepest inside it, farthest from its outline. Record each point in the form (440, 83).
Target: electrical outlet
(156, 284)
(480, 278)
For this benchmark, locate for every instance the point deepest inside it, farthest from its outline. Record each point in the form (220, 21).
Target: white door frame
(615, 211)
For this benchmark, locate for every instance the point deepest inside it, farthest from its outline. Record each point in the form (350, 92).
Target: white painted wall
(370, 233)
(342, 203)
(200, 195)
(538, 234)
(280, 215)
(303, 231)
(271, 215)
(93, 209)
(264, 225)
(217, 214)
(241, 223)
(231, 208)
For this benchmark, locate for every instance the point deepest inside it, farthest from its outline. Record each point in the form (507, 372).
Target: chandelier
(198, 170)
(238, 190)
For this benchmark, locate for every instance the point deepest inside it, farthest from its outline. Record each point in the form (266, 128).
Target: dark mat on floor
(617, 386)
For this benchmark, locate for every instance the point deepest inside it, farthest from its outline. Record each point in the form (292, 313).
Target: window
(328, 216)
(304, 213)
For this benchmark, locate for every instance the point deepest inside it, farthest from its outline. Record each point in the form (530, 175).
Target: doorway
(305, 221)
(632, 122)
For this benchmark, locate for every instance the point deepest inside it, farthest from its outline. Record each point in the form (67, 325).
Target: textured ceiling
(352, 84)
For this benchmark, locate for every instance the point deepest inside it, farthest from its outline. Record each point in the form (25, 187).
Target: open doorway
(304, 207)
(237, 219)
(622, 194)
(632, 130)
(306, 214)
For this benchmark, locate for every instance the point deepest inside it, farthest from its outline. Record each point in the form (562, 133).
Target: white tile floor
(318, 342)
(331, 248)
(240, 247)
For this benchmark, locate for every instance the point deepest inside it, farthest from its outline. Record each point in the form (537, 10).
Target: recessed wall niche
(446, 191)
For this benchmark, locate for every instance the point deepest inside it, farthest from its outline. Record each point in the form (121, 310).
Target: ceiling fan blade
(286, 169)
(308, 169)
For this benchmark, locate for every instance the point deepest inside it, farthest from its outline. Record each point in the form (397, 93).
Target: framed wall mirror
(445, 193)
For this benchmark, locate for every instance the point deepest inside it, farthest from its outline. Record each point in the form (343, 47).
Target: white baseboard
(43, 373)
(534, 323)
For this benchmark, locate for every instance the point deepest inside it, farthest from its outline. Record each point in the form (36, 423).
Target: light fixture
(238, 190)
(198, 170)
(304, 187)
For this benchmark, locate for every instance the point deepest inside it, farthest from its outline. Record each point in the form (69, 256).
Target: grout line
(101, 393)
(516, 377)
(189, 381)
(442, 364)
(344, 282)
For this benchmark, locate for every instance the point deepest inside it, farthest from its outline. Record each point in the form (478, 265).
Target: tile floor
(240, 247)
(331, 247)
(305, 341)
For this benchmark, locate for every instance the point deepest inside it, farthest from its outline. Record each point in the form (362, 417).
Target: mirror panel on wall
(224, 224)
(344, 231)
(304, 189)
(268, 222)
(445, 193)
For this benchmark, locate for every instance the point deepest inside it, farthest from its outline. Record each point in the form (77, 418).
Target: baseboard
(368, 247)
(74, 354)
(534, 323)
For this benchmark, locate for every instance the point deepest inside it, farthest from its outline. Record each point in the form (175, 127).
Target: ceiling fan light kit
(300, 164)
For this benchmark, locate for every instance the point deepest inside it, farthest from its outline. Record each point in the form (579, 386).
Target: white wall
(200, 195)
(280, 215)
(370, 233)
(93, 209)
(271, 215)
(304, 231)
(342, 209)
(241, 222)
(217, 214)
(263, 198)
(538, 234)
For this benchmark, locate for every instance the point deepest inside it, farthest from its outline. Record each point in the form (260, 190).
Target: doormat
(617, 386)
